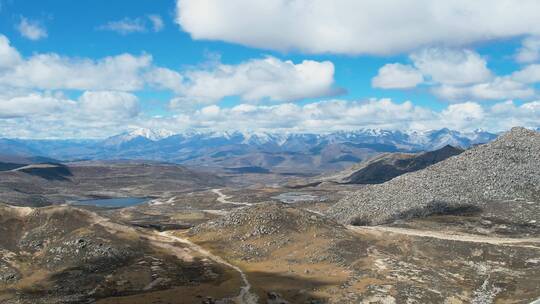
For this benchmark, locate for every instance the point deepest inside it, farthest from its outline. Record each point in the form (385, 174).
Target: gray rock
(505, 169)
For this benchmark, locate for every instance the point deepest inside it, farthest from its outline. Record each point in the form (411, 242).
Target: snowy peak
(141, 133)
(151, 134)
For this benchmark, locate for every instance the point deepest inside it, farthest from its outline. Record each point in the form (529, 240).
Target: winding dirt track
(453, 236)
(166, 240)
(245, 296)
(224, 199)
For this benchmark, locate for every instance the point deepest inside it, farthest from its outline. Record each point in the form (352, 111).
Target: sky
(95, 68)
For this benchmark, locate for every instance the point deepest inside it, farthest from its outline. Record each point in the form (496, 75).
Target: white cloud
(9, 56)
(33, 104)
(463, 116)
(335, 115)
(45, 115)
(165, 79)
(397, 76)
(498, 89)
(357, 27)
(91, 105)
(321, 116)
(259, 79)
(530, 74)
(457, 76)
(157, 22)
(253, 80)
(31, 29)
(530, 50)
(53, 72)
(454, 67)
(56, 116)
(109, 104)
(127, 25)
(505, 115)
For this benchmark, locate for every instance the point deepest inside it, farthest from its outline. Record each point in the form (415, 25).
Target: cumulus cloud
(33, 104)
(397, 76)
(9, 56)
(109, 105)
(529, 51)
(56, 116)
(463, 116)
(356, 27)
(91, 105)
(164, 78)
(258, 79)
(31, 29)
(324, 116)
(50, 114)
(253, 80)
(529, 74)
(454, 67)
(52, 71)
(335, 115)
(134, 25)
(457, 76)
(498, 89)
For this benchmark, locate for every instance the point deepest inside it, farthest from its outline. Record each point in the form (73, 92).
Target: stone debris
(506, 169)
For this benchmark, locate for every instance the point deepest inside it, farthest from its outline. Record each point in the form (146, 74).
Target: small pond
(113, 202)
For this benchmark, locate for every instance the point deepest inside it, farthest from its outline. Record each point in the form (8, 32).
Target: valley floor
(254, 250)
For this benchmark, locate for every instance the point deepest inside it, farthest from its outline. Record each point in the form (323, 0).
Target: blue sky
(294, 66)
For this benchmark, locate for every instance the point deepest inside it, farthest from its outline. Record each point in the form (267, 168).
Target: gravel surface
(506, 169)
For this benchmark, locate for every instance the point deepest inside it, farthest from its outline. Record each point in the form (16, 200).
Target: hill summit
(505, 169)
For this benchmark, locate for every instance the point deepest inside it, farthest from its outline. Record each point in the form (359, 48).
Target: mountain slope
(506, 169)
(307, 258)
(61, 254)
(45, 184)
(389, 166)
(386, 166)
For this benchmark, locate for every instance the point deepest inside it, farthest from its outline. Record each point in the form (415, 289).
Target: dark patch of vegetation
(346, 158)
(441, 208)
(250, 169)
(56, 172)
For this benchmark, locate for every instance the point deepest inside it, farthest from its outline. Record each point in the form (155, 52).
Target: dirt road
(453, 236)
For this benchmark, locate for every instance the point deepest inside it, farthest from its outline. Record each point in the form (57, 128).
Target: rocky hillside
(62, 254)
(246, 231)
(506, 169)
(295, 256)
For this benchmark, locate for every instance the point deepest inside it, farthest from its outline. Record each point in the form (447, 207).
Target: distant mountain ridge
(434, 138)
(280, 152)
(383, 167)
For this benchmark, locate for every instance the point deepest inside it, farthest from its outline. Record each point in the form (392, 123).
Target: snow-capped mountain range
(408, 140)
(403, 140)
(233, 149)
